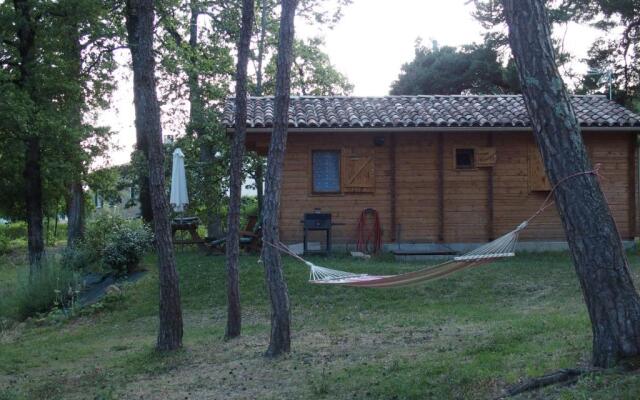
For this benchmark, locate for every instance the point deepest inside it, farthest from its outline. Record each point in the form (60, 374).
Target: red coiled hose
(369, 236)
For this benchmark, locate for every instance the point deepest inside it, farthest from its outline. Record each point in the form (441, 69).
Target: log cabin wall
(298, 198)
(467, 196)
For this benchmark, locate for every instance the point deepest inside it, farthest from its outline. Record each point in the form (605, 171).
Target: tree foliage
(471, 69)
(69, 77)
(616, 50)
(312, 73)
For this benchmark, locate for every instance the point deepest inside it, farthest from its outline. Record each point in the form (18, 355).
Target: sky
(369, 45)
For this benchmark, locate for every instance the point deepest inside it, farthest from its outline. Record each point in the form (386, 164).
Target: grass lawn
(464, 337)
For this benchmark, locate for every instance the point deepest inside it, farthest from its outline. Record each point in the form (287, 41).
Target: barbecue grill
(317, 222)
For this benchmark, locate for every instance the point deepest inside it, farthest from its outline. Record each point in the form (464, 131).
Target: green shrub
(75, 258)
(55, 233)
(12, 235)
(50, 286)
(96, 233)
(16, 230)
(126, 246)
(4, 243)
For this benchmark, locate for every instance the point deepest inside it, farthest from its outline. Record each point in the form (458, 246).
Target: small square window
(326, 171)
(465, 159)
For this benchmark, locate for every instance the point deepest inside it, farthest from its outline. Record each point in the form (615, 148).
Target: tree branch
(626, 43)
(174, 34)
(9, 43)
(101, 53)
(562, 375)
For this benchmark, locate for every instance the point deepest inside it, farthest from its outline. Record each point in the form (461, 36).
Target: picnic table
(190, 225)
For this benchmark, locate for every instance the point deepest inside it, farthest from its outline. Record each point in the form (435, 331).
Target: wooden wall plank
(407, 196)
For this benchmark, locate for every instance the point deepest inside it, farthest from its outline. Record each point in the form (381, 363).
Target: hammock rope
(502, 247)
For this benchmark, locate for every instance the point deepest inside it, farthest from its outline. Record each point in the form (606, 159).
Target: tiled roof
(423, 111)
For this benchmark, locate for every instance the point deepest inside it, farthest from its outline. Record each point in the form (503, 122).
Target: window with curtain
(326, 171)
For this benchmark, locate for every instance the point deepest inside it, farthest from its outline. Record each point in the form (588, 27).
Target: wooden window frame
(312, 183)
(455, 158)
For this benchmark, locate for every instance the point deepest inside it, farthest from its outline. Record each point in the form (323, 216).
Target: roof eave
(503, 129)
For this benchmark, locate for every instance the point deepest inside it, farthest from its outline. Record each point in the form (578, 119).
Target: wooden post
(440, 150)
(490, 224)
(392, 163)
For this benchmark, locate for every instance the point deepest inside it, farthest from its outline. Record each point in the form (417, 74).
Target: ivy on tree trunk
(596, 247)
(140, 16)
(280, 341)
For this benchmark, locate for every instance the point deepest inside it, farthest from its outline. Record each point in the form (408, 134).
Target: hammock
(502, 247)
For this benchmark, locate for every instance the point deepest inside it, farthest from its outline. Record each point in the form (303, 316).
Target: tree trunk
(197, 126)
(261, 45)
(142, 139)
(596, 247)
(258, 165)
(140, 16)
(75, 204)
(280, 341)
(259, 178)
(32, 173)
(75, 214)
(33, 198)
(235, 175)
(144, 196)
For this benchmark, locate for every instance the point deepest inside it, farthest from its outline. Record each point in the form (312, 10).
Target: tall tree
(235, 173)
(140, 28)
(32, 172)
(196, 63)
(472, 69)
(280, 341)
(42, 82)
(197, 116)
(75, 203)
(619, 49)
(313, 72)
(141, 155)
(90, 33)
(256, 161)
(597, 251)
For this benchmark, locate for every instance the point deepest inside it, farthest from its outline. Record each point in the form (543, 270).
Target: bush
(96, 233)
(16, 230)
(75, 258)
(55, 234)
(4, 243)
(13, 235)
(51, 286)
(126, 246)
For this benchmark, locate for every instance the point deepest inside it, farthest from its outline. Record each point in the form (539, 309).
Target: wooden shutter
(485, 157)
(359, 175)
(538, 181)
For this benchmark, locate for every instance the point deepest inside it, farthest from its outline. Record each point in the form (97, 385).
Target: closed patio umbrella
(179, 197)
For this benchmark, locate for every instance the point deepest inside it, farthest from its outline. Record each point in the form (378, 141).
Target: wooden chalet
(438, 169)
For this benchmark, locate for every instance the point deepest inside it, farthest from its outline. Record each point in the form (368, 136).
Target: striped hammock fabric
(502, 247)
